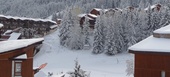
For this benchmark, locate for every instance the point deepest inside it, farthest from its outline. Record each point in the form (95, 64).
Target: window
(162, 73)
(17, 70)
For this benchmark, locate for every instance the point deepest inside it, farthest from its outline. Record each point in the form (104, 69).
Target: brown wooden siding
(27, 68)
(95, 12)
(27, 65)
(151, 65)
(5, 68)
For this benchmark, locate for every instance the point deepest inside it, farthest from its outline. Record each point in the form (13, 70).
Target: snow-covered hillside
(61, 59)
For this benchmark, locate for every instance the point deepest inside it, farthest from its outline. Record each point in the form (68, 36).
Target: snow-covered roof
(118, 9)
(105, 10)
(53, 26)
(8, 31)
(82, 15)
(14, 36)
(24, 18)
(152, 7)
(152, 44)
(1, 25)
(24, 56)
(92, 15)
(16, 44)
(89, 18)
(98, 9)
(163, 30)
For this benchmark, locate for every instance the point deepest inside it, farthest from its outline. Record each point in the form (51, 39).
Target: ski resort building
(16, 57)
(28, 26)
(152, 55)
(155, 7)
(95, 11)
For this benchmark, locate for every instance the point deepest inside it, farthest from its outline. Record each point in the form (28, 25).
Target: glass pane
(18, 67)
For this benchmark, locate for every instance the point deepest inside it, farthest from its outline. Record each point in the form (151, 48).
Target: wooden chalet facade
(90, 17)
(152, 55)
(40, 26)
(95, 11)
(16, 57)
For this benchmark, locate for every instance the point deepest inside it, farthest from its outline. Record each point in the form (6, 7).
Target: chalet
(82, 18)
(155, 7)
(95, 11)
(40, 26)
(90, 17)
(58, 21)
(92, 20)
(16, 57)
(130, 8)
(112, 11)
(152, 55)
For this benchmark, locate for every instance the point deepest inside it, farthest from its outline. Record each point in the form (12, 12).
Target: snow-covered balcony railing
(163, 32)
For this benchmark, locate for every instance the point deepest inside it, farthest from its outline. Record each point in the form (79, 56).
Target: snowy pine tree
(130, 67)
(76, 40)
(110, 40)
(65, 28)
(98, 45)
(78, 72)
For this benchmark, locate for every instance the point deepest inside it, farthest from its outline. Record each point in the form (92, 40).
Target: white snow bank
(152, 44)
(98, 9)
(163, 30)
(16, 44)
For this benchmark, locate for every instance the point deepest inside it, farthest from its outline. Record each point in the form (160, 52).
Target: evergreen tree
(78, 72)
(110, 39)
(98, 45)
(65, 27)
(76, 40)
(165, 20)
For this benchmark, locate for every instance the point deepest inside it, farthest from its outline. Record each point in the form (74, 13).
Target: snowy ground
(61, 59)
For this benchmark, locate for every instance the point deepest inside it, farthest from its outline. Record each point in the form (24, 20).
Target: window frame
(17, 73)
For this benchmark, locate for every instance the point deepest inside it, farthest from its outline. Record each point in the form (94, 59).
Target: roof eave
(148, 52)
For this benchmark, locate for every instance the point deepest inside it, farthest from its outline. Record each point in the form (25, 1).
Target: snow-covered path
(61, 59)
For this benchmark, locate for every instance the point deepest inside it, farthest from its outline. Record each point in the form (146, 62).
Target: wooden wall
(151, 65)
(5, 68)
(95, 12)
(27, 64)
